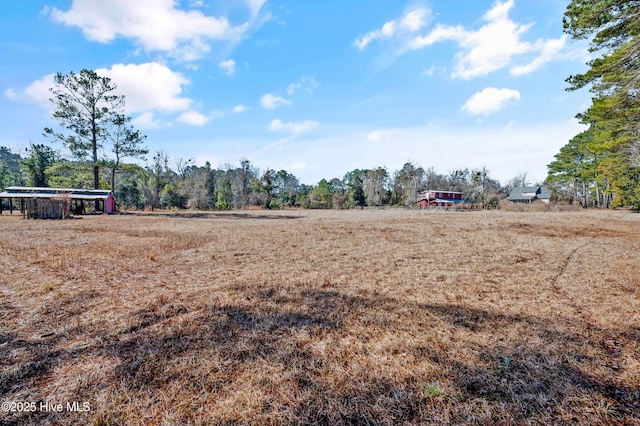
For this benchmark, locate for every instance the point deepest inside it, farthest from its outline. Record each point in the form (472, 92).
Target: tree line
(601, 166)
(181, 184)
(101, 142)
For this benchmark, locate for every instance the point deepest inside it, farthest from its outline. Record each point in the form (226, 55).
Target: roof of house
(544, 193)
(442, 200)
(38, 192)
(532, 193)
(441, 190)
(429, 195)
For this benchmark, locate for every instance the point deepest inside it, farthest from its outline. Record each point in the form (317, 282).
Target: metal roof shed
(108, 202)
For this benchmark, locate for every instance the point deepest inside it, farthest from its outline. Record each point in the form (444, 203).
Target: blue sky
(318, 88)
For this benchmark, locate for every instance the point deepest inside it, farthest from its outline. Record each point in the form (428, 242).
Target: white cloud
(490, 100)
(271, 101)
(155, 25)
(149, 86)
(194, 118)
(363, 40)
(255, 6)
(388, 30)
(499, 11)
(486, 50)
(146, 120)
(239, 109)
(308, 84)
(293, 127)
(412, 21)
(228, 66)
(549, 50)
(374, 136)
(39, 91)
(439, 33)
(291, 89)
(430, 71)
(11, 94)
(36, 93)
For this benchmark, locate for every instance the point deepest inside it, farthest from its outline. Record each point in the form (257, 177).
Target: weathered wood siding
(45, 208)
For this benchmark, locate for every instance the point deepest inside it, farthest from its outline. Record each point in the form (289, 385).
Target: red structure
(438, 198)
(110, 203)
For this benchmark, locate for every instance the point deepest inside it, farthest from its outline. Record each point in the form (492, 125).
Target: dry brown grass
(352, 317)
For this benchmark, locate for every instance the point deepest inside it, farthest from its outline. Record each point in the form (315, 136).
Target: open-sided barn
(54, 203)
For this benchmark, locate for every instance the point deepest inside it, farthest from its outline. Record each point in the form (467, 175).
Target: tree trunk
(94, 149)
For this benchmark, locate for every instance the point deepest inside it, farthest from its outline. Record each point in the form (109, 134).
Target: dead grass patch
(323, 317)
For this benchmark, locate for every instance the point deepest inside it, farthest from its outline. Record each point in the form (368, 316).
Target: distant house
(529, 194)
(438, 198)
(45, 203)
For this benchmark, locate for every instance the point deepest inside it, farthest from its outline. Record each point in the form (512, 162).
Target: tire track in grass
(610, 341)
(562, 292)
(563, 271)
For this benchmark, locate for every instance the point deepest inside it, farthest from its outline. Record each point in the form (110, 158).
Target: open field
(328, 317)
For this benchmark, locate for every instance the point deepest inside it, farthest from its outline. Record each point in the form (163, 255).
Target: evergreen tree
(612, 28)
(40, 158)
(86, 106)
(126, 142)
